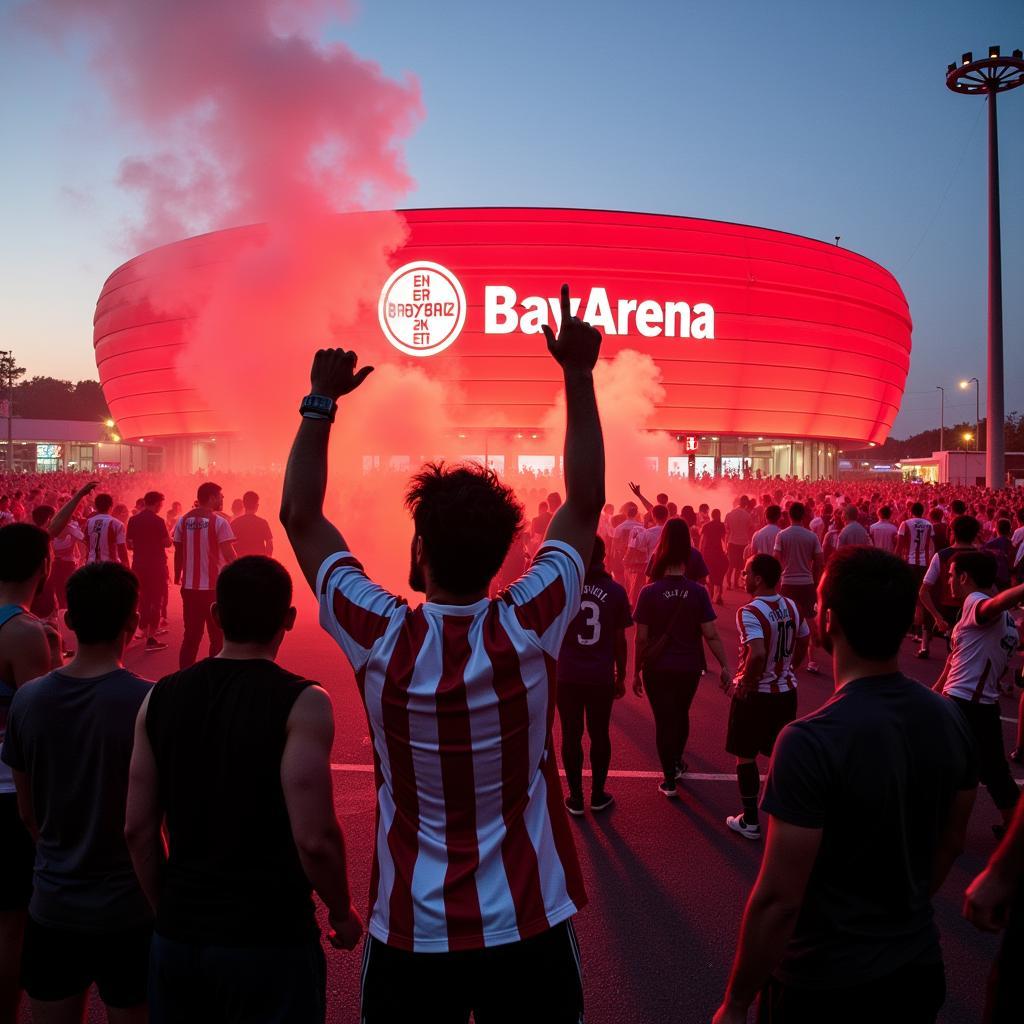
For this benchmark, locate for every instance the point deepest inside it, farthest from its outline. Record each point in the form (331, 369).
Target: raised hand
(334, 373)
(635, 488)
(578, 344)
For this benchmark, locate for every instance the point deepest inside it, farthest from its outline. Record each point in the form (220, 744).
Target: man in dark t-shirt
(148, 541)
(234, 753)
(69, 743)
(867, 800)
(591, 676)
(252, 532)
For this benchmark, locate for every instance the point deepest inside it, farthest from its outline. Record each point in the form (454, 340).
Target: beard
(417, 581)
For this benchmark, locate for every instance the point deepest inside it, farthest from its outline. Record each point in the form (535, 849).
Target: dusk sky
(822, 118)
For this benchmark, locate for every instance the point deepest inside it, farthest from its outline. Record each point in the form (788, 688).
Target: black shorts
(804, 596)
(58, 963)
(756, 720)
(17, 857)
(537, 979)
(736, 559)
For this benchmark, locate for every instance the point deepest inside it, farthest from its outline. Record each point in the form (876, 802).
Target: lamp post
(942, 416)
(964, 385)
(990, 76)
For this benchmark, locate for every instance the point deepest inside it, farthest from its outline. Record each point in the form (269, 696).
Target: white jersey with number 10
(776, 621)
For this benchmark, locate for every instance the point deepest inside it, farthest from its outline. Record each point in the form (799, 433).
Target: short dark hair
(659, 513)
(796, 511)
(1004, 528)
(207, 491)
(466, 518)
(598, 554)
(768, 567)
(254, 594)
(42, 514)
(103, 503)
(250, 499)
(152, 498)
(980, 566)
(885, 512)
(957, 507)
(24, 549)
(965, 529)
(772, 513)
(872, 596)
(102, 597)
(917, 509)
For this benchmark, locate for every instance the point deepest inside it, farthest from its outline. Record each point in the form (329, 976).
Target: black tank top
(233, 875)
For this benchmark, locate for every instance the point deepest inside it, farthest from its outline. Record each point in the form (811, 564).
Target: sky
(822, 118)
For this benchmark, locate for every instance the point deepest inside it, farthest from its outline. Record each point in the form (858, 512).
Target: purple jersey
(588, 650)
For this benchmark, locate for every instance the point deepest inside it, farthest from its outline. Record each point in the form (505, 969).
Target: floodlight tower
(989, 76)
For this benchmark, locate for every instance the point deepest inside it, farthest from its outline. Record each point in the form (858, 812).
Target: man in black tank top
(233, 756)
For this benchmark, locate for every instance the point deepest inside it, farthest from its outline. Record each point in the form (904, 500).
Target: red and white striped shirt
(473, 846)
(200, 533)
(105, 535)
(776, 621)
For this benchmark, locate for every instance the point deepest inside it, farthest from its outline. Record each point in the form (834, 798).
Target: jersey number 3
(593, 623)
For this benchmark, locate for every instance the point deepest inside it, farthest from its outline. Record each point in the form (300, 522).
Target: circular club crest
(422, 308)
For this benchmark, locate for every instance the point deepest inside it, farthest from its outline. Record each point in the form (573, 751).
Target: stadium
(774, 350)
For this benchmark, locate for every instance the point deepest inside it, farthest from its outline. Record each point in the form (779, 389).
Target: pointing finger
(566, 310)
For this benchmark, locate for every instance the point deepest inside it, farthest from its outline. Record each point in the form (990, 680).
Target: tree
(9, 369)
(49, 398)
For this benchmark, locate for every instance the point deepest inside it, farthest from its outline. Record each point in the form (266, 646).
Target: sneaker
(682, 769)
(140, 636)
(601, 801)
(668, 789)
(739, 824)
(1017, 755)
(574, 805)
(813, 668)
(161, 631)
(152, 644)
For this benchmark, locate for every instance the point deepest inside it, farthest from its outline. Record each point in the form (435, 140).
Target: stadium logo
(422, 311)
(422, 308)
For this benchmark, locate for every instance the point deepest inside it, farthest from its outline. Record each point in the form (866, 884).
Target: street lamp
(942, 416)
(964, 385)
(990, 76)
(967, 440)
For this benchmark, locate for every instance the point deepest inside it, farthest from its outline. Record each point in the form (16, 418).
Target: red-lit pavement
(667, 881)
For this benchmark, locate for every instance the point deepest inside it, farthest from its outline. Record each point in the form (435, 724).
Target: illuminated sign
(648, 318)
(422, 308)
(690, 444)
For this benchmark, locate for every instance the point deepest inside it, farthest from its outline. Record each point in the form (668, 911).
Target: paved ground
(667, 881)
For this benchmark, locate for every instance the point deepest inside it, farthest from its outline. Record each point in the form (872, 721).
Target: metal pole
(995, 460)
(977, 415)
(10, 411)
(942, 418)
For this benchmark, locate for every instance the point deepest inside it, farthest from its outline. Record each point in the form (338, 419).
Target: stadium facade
(774, 350)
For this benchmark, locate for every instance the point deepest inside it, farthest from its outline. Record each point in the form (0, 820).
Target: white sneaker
(738, 824)
(813, 668)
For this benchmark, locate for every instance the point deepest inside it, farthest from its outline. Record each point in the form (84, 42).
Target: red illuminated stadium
(773, 348)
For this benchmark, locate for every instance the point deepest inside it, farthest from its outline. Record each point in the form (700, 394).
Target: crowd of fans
(164, 841)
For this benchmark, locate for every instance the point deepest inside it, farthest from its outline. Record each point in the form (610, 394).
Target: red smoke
(250, 117)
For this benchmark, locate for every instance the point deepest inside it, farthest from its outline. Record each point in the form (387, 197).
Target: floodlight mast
(990, 76)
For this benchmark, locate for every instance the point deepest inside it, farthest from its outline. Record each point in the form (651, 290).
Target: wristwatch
(318, 407)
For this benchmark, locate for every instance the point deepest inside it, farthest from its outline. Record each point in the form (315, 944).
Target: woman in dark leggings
(674, 620)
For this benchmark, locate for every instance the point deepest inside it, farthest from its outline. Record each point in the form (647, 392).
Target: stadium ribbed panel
(811, 340)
